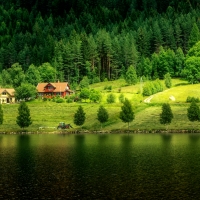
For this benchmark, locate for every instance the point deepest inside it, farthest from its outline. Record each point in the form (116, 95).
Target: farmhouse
(49, 90)
(7, 95)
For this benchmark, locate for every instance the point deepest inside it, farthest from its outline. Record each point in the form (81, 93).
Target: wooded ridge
(98, 39)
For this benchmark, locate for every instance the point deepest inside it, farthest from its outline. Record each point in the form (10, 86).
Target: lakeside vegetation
(49, 114)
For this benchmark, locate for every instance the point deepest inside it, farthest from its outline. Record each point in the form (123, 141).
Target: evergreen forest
(67, 40)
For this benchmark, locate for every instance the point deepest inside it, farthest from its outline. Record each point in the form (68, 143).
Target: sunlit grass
(49, 114)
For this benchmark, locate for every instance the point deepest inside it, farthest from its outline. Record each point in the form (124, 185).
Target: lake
(93, 166)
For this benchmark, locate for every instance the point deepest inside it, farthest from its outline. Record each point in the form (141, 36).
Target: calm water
(100, 167)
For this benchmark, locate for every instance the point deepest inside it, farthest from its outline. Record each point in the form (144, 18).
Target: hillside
(97, 39)
(49, 114)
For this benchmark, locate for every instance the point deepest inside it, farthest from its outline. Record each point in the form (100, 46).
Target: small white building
(7, 95)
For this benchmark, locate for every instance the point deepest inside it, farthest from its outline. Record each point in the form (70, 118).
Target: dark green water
(100, 167)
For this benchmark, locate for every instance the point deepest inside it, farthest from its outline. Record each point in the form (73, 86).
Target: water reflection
(25, 167)
(100, 167)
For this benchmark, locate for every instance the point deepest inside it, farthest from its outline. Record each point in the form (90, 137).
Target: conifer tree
(23, 118)
(194, 36)
(168, 80)
(102, 115)
(127, 114)
(166, 116)
(1, 114)
(131, 76)
(79, 116)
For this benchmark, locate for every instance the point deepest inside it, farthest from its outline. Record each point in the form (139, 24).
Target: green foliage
(102, 115)
(59, 100)
(152, 87)
(108, 87)
(85, 93)
(193, 112)
(111, 98)
(79, 116)
(190, 99)
(131, 76)
(95, 96)
(168, 80)
(47, 73)
(84, 82)
(1, 114)
(194, 36)
(166, 115)
(192, 69)
(16, 74)
(121, 98)
(32, 75)
(100, 40)
(23, 118)
(25, 91)
(126, 113)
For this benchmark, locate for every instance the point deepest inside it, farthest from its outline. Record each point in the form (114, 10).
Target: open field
(49, 114)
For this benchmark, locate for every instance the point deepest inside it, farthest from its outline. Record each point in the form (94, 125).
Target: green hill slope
(49, 114)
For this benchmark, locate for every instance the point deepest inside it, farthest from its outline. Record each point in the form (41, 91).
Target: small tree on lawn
(79, 116)
(1, 114)
(102, 115)
(168, 80)
(166, 116)
(127, 114)
(24, 118)
(193, 112)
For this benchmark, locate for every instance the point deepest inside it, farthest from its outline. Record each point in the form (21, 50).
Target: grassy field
(49, 114)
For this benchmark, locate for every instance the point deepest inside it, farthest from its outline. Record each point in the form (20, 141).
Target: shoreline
(118, 131)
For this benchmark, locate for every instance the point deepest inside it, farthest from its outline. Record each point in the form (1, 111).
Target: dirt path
(148, 100)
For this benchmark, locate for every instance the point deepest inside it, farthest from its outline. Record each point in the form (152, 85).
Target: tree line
(98, 39)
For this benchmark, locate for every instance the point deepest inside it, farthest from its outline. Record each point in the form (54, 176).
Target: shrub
(111, 98)
(121, 98)
(96, 79)
(190, 99)
(59, 100)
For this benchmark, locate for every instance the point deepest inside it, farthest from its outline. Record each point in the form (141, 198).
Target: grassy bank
(49, 114)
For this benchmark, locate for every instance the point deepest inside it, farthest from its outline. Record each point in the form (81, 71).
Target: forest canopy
(98, 39)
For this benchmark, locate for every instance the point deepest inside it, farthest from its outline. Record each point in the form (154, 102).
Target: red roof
(58, 87)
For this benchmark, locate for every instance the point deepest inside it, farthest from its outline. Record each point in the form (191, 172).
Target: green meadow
(48, 114)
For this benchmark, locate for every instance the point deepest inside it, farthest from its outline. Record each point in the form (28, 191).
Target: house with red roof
(49, 90)
(7, 95)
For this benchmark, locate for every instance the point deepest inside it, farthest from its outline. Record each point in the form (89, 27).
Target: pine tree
(166, 116)
(194, 36)
(79, 116)
(1, 114)
(23, 118)
(168, 80)
(102, 115)
(131, 76)
(127, 114)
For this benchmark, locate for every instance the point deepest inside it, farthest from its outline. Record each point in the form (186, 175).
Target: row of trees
(193, 113)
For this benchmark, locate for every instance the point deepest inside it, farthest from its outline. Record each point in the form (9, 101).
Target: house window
(3, 93)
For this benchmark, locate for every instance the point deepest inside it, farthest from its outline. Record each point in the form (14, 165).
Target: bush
(59, 100)
(96, 80)
(152, 87)
(121, 98)
(111, 98)
(190, 99)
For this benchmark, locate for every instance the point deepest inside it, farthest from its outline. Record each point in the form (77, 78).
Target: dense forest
(98, 39)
